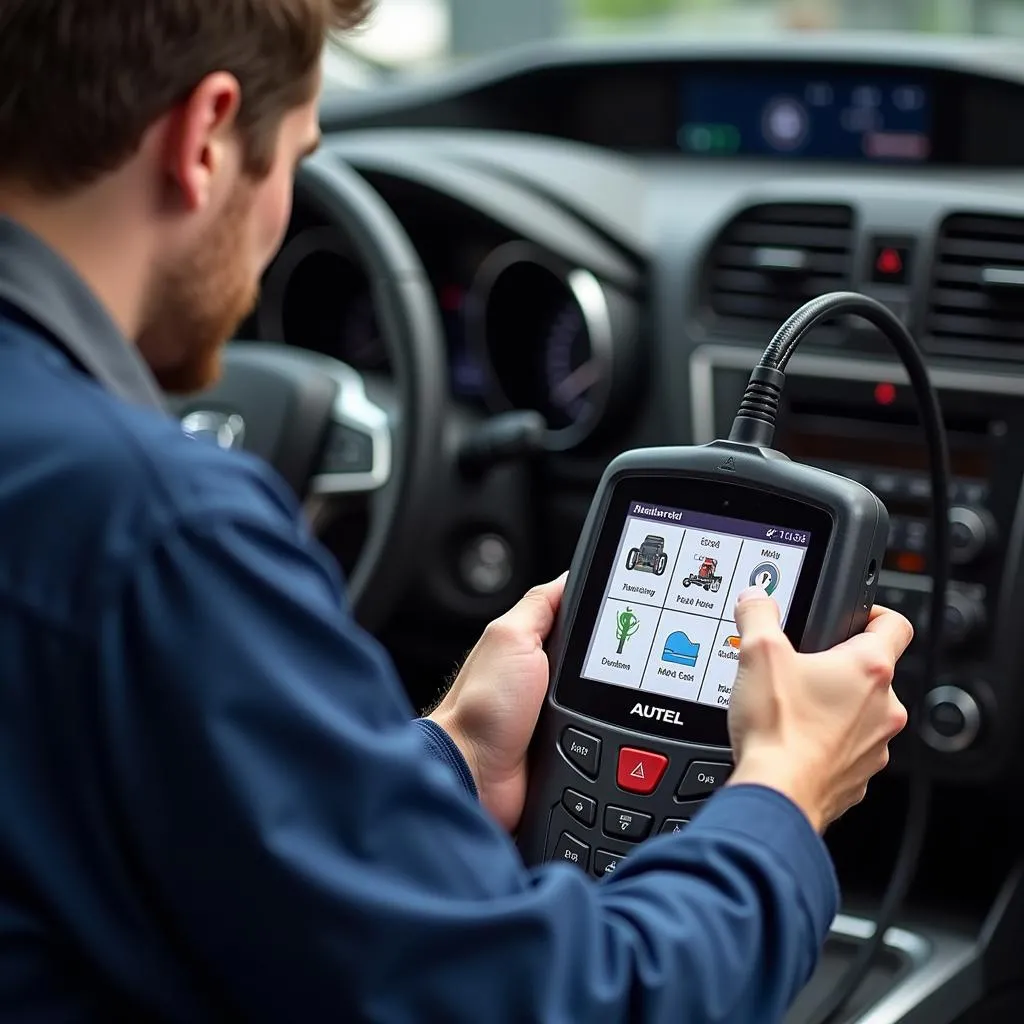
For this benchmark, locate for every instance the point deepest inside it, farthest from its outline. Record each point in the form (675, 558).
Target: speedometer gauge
(570, 371)
(546, 335)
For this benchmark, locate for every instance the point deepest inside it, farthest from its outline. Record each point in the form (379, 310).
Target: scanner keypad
(584, 830)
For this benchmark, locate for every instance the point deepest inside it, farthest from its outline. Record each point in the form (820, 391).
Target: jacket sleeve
(321, 866)
(441, 747)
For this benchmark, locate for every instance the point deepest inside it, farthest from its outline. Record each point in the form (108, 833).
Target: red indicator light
(889, 263)
(885, 394)
(911, 563)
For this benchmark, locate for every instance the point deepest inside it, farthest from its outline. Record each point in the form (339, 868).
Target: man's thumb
(756, 614)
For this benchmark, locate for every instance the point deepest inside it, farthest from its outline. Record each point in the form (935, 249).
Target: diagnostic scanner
(633, 735)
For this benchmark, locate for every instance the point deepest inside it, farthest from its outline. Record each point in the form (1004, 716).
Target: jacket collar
(46, 293)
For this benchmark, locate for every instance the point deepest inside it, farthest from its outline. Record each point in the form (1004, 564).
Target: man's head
(174, 126)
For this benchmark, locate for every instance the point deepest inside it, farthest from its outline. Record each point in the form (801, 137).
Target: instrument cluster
(526, 330)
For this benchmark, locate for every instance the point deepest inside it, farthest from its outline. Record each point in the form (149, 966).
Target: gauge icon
(765, 576)
(785, 123)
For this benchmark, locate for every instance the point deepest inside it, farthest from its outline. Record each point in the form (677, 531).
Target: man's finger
(756, 614)
(535, 613)
(893, 629)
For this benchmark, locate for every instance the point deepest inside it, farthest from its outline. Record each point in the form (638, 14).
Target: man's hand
(492, 709)
(815, 726)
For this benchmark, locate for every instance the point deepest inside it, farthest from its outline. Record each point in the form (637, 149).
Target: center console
(857, 417)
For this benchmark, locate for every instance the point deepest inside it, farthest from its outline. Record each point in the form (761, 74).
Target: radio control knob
(952, 719)
(971, 532)
(964, 618)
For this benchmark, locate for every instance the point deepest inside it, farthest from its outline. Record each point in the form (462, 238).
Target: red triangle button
(640, 771)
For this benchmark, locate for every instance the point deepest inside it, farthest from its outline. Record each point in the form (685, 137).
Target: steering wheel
(309, 415)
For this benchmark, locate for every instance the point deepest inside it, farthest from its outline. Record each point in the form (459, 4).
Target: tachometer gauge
(577, 356)
(545, 333)
(317, 297)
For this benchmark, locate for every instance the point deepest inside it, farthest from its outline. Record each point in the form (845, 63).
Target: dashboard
(833, 98)
(613, 233)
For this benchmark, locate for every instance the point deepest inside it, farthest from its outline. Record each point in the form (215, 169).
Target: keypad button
(674, 825)
(572, 851)
(582, 808)
(702, 778)
(626, 824)
(606, 862)
(583, 750)
(640, 771)
(919, 487)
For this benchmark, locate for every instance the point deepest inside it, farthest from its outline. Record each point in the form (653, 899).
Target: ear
(201, 141)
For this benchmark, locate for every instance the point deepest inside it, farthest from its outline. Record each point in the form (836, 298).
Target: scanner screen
(666, 623)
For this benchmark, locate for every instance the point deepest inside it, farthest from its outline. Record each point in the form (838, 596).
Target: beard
(197, 304)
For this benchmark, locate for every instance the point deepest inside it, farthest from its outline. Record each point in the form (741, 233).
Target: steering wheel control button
(673, 825)
(582, 808)
(606, 862)
(626, 824)
(486, 564)
(952, 720)
(572, 851)
(702, 778)
(347, 451)
(583, 751)
(640, 771)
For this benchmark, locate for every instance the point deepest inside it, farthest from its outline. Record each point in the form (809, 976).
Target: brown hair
(81, 81)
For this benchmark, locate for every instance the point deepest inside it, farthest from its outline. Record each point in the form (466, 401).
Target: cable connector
(755, 419)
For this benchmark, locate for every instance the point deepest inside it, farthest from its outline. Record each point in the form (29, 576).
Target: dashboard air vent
(976, 306)
(772, 259)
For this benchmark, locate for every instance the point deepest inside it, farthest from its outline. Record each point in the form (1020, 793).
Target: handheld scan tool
(633, 736)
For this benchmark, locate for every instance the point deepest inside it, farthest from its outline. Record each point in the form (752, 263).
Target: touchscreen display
(836, 117)
(666, 624)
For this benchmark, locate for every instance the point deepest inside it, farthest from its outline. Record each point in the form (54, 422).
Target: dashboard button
(952, 719)
(605, 862)
(886, 485)
(915, 536)
(702, 778)
(970, 492)
(486, 564)
(891, 261)
(963, 619)
(582, 808)
(626, 824)
(583, 751)
(971, 533)
(674, 825)
(572, 851)
(640, 771)
(919, 488)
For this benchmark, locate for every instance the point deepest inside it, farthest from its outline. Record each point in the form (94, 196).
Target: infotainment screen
(841, 116)
(666, 620)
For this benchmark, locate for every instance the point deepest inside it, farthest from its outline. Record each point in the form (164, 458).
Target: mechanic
(214, 801)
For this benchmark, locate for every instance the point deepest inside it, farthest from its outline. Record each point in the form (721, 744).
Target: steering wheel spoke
(357, 456)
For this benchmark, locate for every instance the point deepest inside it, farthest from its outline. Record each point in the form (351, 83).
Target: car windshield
(408, 35)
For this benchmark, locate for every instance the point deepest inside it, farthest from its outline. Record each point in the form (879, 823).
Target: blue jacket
(214, 803)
